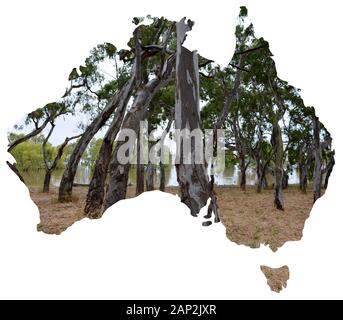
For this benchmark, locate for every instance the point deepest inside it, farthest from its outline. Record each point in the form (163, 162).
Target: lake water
(230, 176)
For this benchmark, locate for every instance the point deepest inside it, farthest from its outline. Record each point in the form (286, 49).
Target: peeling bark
(277, 144)
(118, 176)
(96, 189)
(317, 174)
(66, 185)
(193, 180)
(330, 166)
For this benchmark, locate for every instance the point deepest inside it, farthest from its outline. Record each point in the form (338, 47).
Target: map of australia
(236, 140)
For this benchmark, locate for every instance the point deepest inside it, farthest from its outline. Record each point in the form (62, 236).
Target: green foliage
(29, 154)
(12, 136)
(160, 107)
(243, 11)
(90, 156)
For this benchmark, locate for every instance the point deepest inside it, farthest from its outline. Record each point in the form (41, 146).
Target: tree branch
(45, 158)
(29, 135)
(74, 86)
(205, 63)
(60, 150)
(205, 75)
(13, 167)
(250, 50)
(238, 67)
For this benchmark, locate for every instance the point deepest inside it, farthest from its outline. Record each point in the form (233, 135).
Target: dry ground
(276, 277)
(250, 218)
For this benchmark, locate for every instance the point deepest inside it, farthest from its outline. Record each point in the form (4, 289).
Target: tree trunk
(259, 175)
(66, 185)
(13, 167)
(317, 174)
(192, 177)
(150, 177)
(303, 178)
(139, 168)
(96, 191)
(277, 144)
(119, 172)
(300, 175)
(162, 155)
(162, 177)
(48, 169)
(329, 171)
(47, 178)
(264, 180)
(285, 178)
(30, 135)
(243, 176)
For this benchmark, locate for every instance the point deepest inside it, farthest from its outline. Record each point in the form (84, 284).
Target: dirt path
(250, 218)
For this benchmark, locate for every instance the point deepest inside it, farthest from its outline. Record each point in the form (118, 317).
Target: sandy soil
(249, 218)
(276, 277)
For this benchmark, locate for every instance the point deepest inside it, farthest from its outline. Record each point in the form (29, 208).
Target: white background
(150, 247)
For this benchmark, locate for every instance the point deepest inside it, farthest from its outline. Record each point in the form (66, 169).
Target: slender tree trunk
(277, 144)
(150, 173)
(303, 178)
(47, 178)
(162, 177)
(150, 177)
(66, 185)
(50, 169)
(264, 180)
(285, 178)
(243, 176)
(259, 175)
(329, 171)
(300, 175)
(96, 191)
(139, 168)
(317, 174)
(192, 177)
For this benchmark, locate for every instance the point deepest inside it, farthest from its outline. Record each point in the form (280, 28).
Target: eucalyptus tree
(138, 59)
(317, 152)
(50, 166)
(191, 171)
(222, 93)
(97, 96)
(160, 112)
(328, 156)
(40, 118)
(150, 76)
